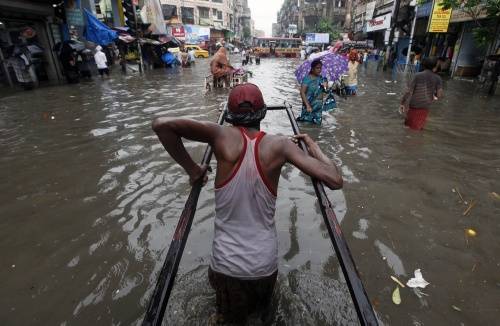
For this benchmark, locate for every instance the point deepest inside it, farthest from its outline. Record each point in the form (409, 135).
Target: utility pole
(411, 37)
(130, 17)
(139, 34)
(394, 20)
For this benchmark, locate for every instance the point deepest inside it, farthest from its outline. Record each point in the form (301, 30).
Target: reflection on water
(90, 201)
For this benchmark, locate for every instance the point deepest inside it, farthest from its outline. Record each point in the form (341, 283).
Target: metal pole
(141, 63)
(394, 19)
(411, 37)
(362, 304)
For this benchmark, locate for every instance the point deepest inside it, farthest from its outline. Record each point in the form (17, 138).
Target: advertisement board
(440, 18)
(196, 34)
(318, 38)
(292, 29)
(379, 23)
(178, 31)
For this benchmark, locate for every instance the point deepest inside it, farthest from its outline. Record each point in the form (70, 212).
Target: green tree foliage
(246, 32)
(484, 32)
(325, 26)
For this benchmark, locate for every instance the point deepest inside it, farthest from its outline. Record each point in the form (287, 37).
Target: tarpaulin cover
(168, 58)
(97, 32)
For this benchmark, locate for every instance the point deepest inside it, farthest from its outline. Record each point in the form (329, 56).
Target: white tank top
(245, 240)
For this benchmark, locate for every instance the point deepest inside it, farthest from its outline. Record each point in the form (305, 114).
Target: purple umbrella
(334, 65)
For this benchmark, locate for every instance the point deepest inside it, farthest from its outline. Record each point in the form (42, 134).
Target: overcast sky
(264, 13)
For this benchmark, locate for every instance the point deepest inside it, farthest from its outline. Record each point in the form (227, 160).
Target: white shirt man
(101, 61)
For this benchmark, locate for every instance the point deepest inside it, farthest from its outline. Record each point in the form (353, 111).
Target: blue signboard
(424, 10)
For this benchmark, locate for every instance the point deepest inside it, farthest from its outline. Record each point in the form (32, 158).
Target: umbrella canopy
(149, 41)
(334, 66)
(170, 41)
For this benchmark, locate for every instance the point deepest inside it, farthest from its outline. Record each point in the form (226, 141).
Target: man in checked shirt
(425, 88)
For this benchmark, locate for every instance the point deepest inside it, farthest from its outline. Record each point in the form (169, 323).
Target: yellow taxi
(198, 52)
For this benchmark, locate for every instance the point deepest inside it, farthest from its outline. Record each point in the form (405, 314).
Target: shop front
(376, 29)
(28, 33)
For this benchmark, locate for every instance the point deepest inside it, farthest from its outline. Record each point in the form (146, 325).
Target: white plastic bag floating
(418, 281)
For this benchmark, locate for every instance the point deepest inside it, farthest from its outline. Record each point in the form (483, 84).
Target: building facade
(243, 21)
(218, 15)
(306, 15)
(373, 20)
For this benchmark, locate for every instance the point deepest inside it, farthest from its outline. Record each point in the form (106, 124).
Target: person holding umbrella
(312, 90)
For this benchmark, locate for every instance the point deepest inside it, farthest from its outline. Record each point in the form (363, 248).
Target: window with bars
(169, 11)
(204, 12)
(187, 15)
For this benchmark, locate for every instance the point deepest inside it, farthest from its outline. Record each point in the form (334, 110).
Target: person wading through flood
(425, 88)
(101, 61)
(244, 262)
(221, 68)
(312, 91)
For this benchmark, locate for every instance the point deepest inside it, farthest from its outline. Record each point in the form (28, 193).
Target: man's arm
(405, 100)
(316, 165)
(171, 130)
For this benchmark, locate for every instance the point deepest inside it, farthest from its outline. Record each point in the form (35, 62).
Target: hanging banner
(151, 13)
(74, 14)
(440, 18)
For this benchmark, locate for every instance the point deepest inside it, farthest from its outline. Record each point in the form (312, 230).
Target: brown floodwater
(89, 201)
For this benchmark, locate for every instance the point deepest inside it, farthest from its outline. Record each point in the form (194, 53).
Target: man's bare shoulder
(278, 142)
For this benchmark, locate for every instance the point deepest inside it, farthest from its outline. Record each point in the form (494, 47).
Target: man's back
(229, 145)
(244, 262)
(424, 87)
(245, 240)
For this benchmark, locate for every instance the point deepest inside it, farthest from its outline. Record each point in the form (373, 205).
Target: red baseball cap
(248, 94)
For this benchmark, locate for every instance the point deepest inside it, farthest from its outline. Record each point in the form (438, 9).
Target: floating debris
(470, 232)
(397, 281)
(396, 296)
(472, 204)
(459, 195)
(419, 293)
(417, 281)
(456, 308)
(494, 195)
(391, 93)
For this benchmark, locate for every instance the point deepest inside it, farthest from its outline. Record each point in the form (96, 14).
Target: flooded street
(90, 201)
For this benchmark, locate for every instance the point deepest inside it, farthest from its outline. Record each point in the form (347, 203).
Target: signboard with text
(440, 18)
(178, 31)
(318, 38)
(379, 23)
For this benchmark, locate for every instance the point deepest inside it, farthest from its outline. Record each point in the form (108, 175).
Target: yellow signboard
(440, 18)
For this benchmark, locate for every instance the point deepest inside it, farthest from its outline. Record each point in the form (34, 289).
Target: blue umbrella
(334, 65)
